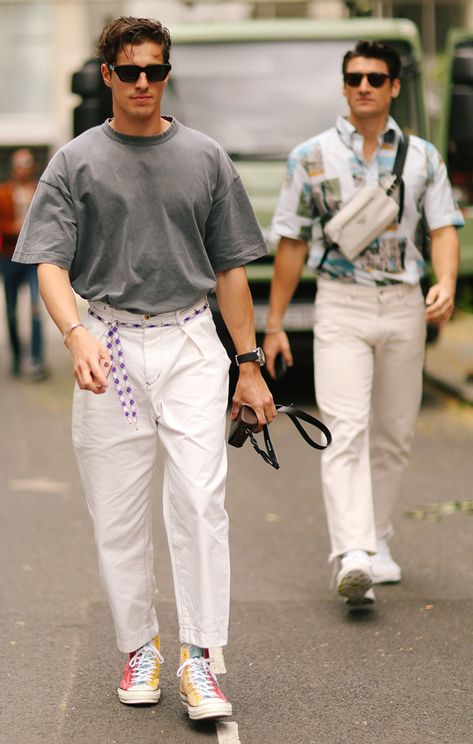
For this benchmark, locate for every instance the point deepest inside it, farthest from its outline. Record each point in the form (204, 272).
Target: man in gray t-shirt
(144, 217)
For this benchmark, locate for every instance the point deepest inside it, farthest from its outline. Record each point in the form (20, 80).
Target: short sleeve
(49, 232)
(233, 236)
(295, 212)
(440, 208)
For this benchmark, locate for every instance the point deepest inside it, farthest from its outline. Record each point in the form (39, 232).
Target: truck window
(259, 99)
(460, 128)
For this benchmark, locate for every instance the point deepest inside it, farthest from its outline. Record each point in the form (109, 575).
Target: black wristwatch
(252, 356)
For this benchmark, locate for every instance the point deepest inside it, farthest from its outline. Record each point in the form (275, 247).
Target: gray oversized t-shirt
(141, 223)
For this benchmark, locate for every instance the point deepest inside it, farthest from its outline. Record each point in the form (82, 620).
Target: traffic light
(96, 103)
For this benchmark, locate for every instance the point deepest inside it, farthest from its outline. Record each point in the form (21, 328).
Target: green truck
(259, 87)
(455, 142)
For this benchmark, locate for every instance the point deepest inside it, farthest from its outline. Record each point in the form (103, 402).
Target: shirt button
(146, 317)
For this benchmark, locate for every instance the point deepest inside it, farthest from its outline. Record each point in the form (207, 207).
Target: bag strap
(402, 147)
(269, 456)
(398, 167)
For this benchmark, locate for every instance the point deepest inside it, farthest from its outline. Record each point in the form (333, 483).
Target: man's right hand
(274, 344)
(87, 354)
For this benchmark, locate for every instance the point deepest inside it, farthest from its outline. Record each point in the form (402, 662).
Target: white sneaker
(354, 577)
(384, 569)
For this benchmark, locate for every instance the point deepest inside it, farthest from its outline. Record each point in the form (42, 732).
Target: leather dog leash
(294, 414)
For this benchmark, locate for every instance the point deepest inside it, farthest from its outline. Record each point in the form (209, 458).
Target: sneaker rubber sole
(354, 585)
(361, 603)
(139, 697)
(212, 709)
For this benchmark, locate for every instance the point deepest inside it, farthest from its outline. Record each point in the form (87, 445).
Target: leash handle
(269, 454)
(295, 414)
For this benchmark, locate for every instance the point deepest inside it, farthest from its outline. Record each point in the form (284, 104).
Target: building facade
(45, 41)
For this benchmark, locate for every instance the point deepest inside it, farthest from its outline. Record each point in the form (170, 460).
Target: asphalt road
(300, 670)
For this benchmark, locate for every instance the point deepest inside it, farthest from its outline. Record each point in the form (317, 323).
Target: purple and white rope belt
(114, 345)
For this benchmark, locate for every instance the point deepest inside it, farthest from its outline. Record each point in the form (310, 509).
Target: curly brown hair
(134, 31)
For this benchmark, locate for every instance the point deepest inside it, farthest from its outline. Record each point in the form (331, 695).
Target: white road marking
(218, 662)
(68, 687)
(227, 732)
(39, 485)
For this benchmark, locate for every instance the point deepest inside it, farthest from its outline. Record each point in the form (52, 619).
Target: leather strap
(398, 166)
(295, 414)
(269, 456)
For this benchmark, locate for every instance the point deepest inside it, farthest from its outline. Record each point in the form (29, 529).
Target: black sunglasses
(131, 73)
(375, 79)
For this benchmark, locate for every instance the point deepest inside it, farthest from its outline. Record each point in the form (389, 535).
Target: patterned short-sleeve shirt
(329, 169)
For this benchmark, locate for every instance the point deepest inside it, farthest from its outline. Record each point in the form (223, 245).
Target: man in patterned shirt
(370, 315)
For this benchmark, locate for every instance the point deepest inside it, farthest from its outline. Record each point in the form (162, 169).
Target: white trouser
(178, 375)
(368, 356)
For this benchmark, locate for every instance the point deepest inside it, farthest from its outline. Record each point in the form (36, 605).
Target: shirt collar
(389, 136)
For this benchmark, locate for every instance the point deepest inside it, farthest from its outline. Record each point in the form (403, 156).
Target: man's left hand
(439, 303)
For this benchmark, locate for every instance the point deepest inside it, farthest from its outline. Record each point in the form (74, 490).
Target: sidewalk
(401, 673)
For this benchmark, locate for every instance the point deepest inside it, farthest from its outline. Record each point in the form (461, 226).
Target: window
(26, 58)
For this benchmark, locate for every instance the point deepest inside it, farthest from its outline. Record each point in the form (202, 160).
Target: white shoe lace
(143, 663)
(201, 674)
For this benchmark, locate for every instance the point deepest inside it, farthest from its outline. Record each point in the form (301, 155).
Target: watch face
(261, 356)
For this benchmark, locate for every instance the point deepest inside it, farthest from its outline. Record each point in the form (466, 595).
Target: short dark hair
(376, 50)
(129, 30)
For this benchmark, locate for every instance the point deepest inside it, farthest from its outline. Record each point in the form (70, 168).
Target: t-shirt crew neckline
(130, 139)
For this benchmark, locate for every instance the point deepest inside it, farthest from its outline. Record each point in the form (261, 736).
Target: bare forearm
(445, 250)
(236, 305)
(288, 267)
(58, 296)
(86, 352)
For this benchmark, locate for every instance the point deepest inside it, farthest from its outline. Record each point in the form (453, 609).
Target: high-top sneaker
(198, 685)
(140, 681)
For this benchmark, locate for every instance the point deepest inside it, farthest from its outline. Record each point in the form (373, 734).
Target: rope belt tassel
(118, 367)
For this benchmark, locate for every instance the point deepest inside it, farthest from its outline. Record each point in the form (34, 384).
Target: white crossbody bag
(365, 217)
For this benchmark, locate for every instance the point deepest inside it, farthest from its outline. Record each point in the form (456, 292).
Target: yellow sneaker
(198, 685)
(140, 681)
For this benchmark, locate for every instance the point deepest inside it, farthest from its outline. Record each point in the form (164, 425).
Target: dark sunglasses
(375, 79)
(131, 73)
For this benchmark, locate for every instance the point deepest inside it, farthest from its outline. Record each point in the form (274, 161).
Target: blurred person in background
(15, 197)
(144, 217)
(370, 315)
